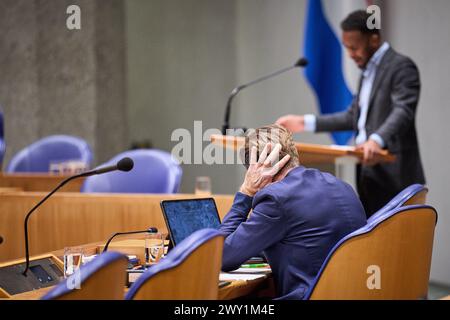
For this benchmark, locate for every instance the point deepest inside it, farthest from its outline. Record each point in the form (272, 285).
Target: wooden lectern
(344, 158)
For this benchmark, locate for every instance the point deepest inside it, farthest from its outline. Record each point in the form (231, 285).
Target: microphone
(302, 62)
(125, 164)
(149, 230)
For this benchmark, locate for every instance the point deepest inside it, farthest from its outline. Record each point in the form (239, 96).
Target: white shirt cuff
(310, 122)
(375, 137)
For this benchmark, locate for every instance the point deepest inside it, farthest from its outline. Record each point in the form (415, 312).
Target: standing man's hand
(371, 151)
(261, 171)
(292, 122)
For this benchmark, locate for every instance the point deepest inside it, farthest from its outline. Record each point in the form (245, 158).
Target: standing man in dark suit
(382, 114)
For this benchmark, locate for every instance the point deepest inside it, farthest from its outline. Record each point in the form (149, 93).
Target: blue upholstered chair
(189, 272)
(388, 258)
(38, 156)
(154, 171)
(2, 139)
(414, 194)
(103, 278)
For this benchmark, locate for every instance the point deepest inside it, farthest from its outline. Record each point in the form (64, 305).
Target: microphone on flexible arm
(302, 62)
(149, 230)
(125, 164)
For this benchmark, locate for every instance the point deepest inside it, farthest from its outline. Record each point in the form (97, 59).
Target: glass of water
(203, 186)
(154, 248)
(73, 258)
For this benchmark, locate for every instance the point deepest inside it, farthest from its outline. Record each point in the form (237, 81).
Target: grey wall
(184, 57)
(425, 39)
(111, 125)
(270, 37)
(181, 67)
(59, 81)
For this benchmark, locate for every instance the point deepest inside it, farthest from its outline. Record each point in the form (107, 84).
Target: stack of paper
(226, 276)
(245, 274)
(252, 270)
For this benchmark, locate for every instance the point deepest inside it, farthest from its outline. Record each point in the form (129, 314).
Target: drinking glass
(154, 248)
(203, 186)
(73, 258)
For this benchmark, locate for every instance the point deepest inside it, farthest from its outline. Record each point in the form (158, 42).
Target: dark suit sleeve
(246, 238)
(405, 96)
(340, 121)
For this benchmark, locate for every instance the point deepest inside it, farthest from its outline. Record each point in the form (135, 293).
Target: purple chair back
(175, 257)
(38, 156)
(365, 230)
(88, 271)
(399, 200)
(154, 171)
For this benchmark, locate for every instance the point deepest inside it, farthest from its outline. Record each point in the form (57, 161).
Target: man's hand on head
(371, 151)
(292, 122)
(261, 171)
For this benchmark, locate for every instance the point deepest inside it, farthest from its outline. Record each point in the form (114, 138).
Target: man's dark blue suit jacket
(295, 222)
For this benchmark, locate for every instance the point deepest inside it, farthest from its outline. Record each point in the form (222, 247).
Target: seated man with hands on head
(298, 214)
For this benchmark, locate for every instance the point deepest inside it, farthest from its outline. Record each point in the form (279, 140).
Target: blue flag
(324, 71)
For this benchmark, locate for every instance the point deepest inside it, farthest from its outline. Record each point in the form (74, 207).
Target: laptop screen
(183, 217)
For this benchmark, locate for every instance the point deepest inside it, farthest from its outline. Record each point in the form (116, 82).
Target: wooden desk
(70, 219)
(9, 189)
(37, 182)
(262, 287)
(236, 289)
(31, 295)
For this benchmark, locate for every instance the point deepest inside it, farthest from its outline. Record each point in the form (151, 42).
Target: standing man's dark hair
(360, 41)
(357, 21)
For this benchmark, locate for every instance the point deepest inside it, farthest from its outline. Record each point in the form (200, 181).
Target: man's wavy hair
(274, 134)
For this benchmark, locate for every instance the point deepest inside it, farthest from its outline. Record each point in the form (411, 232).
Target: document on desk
(246, 274)
(252, 270)
(227, 276)
(343, 148)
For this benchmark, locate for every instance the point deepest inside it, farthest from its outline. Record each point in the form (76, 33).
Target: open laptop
(184, 217)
